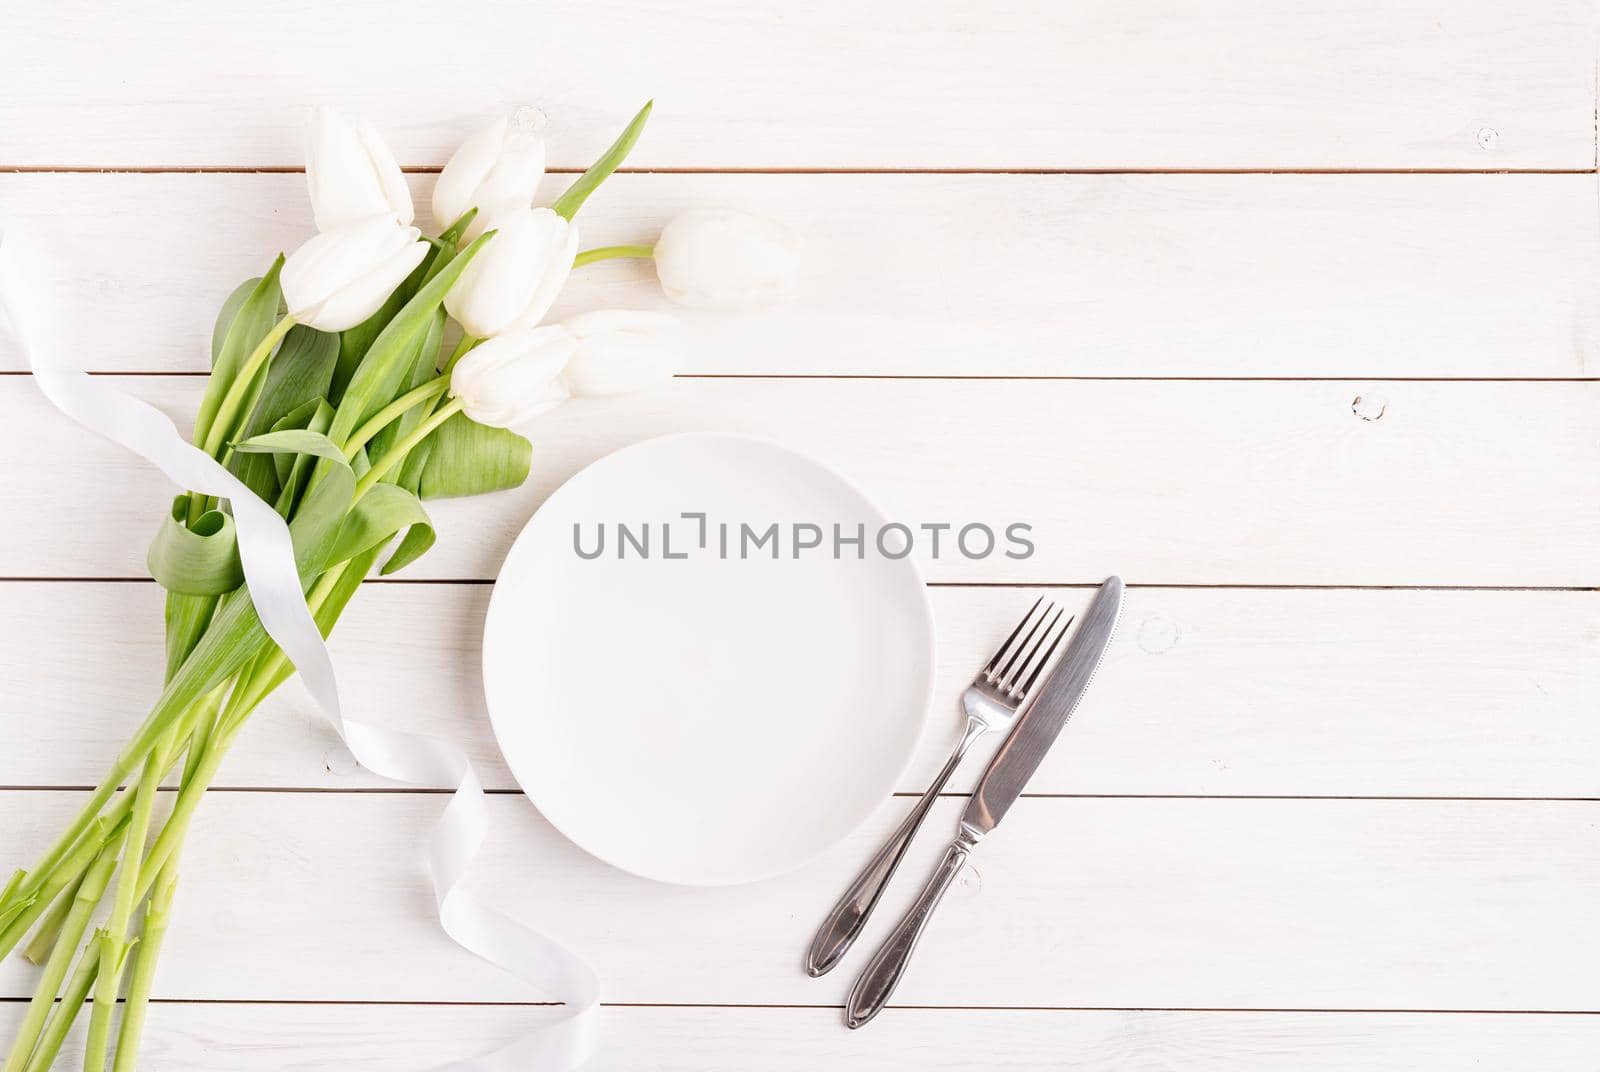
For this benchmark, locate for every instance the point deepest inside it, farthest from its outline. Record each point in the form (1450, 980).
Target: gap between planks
(964, 377)
(234, 169)
(1042, 1009)
(1078, 585)
(427, 791)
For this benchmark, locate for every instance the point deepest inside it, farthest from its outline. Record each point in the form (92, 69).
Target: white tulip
(620, 350)
(513, 280)
(727, 260)
(494, 171)
(351, 173)
(339, 278)
(511, 378)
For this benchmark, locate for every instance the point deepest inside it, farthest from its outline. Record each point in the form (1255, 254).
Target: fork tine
(1027, 686)
(1029, 652)
(989, 670)
(1005, 671)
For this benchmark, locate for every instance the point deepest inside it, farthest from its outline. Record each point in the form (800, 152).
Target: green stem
(71, 838)
(227, 414)
(101, 830)
(252, 686)
(203, 727)
(275, 669)
(462, 349)
(144, 970)
(44, 938)
(397, 453)
(161, 717)
(607, 253)
(426, 392)
(177, 824)
(38, 950)
(66, 1014)
(55, 970)
(114, 938)
(159, 866)
(10, 903)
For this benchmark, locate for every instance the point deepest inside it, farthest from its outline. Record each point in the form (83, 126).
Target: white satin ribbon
(269, 569)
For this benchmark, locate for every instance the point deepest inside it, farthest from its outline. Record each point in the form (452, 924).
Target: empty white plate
(719, 717)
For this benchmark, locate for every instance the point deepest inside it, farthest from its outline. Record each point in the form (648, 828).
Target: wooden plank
(1164, 482)
(931, 83)
(1356, 905)
(1059, 275)
(1210, 691)
(270, 1038)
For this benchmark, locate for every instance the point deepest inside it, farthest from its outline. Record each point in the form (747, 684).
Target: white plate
(706, 720)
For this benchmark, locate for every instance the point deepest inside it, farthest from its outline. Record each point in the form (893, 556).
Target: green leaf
(418, 540)
(376, 516)
(186, 620)
(202, 560)
(469, 458)
(290, 470)
(384, 368)
(568, 204)
(316, 522)
(255, 316)
(293, 441)
(415, 465)
(301, 373)
(355, 342)
(230, 308)
(235, 635)
(424, 366)
(452, 234)
(308, 443)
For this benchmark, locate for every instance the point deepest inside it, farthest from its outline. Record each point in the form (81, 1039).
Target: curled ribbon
(267, 556)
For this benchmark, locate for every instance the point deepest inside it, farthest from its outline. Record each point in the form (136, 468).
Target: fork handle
(883, 973)
(843, 924)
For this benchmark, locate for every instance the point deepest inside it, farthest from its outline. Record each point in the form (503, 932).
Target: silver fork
(991, 702)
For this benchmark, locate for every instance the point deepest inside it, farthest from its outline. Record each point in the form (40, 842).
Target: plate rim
(926, 680)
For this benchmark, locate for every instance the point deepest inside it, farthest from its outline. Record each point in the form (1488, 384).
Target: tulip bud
(351, 173)
(513, 280)
(340, 277)
(511, 378)
(727, 260)
(620, 350)
(496, 170)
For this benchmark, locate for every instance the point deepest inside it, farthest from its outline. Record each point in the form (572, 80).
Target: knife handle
(849, 915)
(873, 989)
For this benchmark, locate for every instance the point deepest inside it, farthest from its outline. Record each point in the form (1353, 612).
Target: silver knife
(1002, 783)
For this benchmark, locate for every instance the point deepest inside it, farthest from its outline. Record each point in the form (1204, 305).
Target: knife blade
(1024, 749)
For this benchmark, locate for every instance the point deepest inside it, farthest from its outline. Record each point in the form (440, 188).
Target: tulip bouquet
(334, 397)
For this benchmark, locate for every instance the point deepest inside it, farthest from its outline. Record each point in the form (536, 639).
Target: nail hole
(1369, 407)
(529, 119)
(1157, 634)
(338, 760)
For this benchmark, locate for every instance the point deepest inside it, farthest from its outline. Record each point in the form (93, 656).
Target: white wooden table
(1289, 315)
